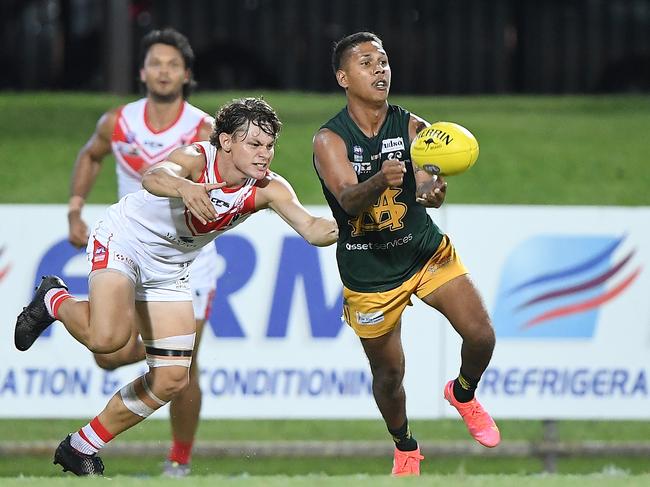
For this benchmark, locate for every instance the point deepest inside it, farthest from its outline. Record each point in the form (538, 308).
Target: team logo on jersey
(357, 152)
(386, 214)
(219, 203)
(392, 145)
(153, 144)
(362, 167)
(128, 149)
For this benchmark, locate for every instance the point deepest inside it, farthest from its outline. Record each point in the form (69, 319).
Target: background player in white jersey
(140, 253)
(141, 134)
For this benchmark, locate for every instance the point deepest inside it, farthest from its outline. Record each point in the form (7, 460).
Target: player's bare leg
(386, 357)
(184, 409)
(184, 412)
(168, 331)
(130, 353)
(102, 324)
(461, 304)
(103, 327)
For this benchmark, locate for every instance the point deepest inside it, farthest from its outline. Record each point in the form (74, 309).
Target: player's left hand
(432, 193)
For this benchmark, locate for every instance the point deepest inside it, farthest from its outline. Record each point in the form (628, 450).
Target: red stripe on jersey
(100, 430)
(136, 163)
(202, 178)
(219, 179)
(189, 221)
(249, 202)
(197, 130)
(199, 228)
(153, 131)
(118, 134)
(132, 162)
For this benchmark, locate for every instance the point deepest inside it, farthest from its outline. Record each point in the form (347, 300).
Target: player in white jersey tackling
(141, 134)
(140, 253)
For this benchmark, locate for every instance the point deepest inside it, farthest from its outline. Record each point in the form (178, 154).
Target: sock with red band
(53, 299)
(180, 452)
(91, 438)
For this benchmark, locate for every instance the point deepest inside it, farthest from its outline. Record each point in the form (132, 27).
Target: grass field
(356, 480)
(542, 150)
(301, 430)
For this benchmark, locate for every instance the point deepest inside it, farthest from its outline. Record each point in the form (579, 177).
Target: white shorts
(154, 280)
(203, 281)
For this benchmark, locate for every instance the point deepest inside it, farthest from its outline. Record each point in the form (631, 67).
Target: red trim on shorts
(100, 256)
(100, 430)
(208, 306)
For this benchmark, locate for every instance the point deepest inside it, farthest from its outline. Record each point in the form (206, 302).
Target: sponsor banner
(274, 347)
(567, 289)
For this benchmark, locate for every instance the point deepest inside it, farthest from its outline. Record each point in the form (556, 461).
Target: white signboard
(568, 290)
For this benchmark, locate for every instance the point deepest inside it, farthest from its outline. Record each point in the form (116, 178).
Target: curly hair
(237, 115)
(173, 38)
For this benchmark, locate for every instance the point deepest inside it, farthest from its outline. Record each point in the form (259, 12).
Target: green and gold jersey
(392, 239)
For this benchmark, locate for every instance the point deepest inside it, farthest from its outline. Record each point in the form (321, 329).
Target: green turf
(150, 466)
(534, 150)
(319, 480)
(269, 430)
(331, 430)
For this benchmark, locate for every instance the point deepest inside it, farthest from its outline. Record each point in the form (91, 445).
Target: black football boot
(34, 318)
(76, 462)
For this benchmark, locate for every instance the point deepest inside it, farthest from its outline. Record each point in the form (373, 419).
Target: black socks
(403, 439)
(464, 388)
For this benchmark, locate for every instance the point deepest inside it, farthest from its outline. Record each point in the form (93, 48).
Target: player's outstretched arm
(84, 174)
(175, 178)
(281, 198)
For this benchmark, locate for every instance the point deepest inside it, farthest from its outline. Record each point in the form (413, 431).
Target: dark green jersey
(391, 240)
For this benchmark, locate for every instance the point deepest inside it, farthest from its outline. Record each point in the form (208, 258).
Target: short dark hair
(238, 114)
(341, 48)
(173, 38)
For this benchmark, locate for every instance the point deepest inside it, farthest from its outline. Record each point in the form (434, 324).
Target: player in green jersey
(389, 248)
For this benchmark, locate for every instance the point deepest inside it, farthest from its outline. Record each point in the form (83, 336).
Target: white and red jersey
(136, 145)
(164, 228)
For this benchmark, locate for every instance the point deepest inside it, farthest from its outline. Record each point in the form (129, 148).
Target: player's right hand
(393, 172)
(196, 197)
(77, 230)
